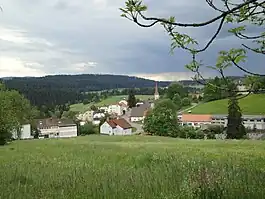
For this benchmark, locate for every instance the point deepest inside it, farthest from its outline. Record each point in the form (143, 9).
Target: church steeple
(156, 92)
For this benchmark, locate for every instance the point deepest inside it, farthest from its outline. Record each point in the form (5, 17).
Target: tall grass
(132, 167)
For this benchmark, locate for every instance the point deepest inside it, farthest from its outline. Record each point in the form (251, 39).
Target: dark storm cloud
(66, 36)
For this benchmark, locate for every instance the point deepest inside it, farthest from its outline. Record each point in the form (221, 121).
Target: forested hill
(60, 89)
(81, 83)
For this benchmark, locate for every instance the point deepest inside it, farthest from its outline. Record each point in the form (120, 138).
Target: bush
(88, 129)
(86, 101)
(212, 130)
(190, 133)
(185, 101)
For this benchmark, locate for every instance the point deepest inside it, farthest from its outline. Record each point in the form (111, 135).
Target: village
(122, 120)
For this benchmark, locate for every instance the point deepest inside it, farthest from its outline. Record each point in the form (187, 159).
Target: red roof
(196, 118)
(119, 122)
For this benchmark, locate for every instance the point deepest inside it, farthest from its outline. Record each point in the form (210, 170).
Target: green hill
(250, 105)
(110, 100)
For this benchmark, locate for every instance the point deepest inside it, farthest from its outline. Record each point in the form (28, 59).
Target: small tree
(177, 100)
(235, 127)
(131, 99)
(162, 120)
(185, 101)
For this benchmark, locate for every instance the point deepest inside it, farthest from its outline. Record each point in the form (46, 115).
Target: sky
(48, 37)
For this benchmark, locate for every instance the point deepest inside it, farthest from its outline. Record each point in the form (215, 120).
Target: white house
(104, 109)
(115, 109)
(97, 117)
(123, 102)
(116, 127)
(25, 132)
(87, 116)
(56, 128)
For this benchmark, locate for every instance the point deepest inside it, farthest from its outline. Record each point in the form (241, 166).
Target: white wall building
(116, 127)
(25, 132)
(55, 128)
(115, 109)
(249, 121)
(195, 120)
(104, 109)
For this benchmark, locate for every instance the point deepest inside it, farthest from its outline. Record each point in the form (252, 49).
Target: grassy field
(251, 105)
(131, 168)
(111, 100)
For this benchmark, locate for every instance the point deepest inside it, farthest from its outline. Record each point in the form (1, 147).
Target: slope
(250, 105)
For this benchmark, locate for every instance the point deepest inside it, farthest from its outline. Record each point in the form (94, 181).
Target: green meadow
(251, 105)
(132, 167)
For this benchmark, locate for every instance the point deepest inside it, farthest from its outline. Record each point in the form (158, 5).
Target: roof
(119, 122)
(196, 118)
(54, 122)
(140, 110)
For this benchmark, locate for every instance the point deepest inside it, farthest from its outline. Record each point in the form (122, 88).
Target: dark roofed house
(138, 113)
(54, 127)
(116, 127)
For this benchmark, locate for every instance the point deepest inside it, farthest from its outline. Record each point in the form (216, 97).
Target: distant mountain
(60, 89)
(83, 83)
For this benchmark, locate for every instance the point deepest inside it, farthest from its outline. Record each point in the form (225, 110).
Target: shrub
(88, 129)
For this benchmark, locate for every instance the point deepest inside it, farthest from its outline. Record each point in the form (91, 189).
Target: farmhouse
(97, 117)
(138, 113)
(116, 127)
(195, 120)
(56, 128)
(24, 133)
(87, 116)
(115, 109)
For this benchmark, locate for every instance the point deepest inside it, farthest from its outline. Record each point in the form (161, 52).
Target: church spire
(156, 92)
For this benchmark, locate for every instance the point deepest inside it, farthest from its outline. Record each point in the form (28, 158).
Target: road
(187, 109)
(139, 128)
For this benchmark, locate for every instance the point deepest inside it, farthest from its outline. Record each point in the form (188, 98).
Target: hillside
(61, 89)
(83, 83)
(80, 107)
(251, 105)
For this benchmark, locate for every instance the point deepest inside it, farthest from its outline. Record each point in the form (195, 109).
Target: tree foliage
(131, 99)
(240, 16)
(15, 110)
(213, 90)
(162, 120)
(176, 88)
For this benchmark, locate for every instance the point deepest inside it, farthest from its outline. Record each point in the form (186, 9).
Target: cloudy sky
(42, 37)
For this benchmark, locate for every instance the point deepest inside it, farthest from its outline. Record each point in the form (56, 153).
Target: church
(156, 95)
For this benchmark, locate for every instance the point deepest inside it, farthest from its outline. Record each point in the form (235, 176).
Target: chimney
(107, 119)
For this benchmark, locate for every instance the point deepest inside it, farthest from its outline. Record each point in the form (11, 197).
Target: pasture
(132, 167)
(250, 105)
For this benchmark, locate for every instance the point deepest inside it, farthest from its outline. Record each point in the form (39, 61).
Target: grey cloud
(93, 31)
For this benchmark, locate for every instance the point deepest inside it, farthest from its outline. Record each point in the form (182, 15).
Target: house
(138, 113)
(97, 117)
(116, 127)
(87, 116)
(103, 109)
(115, 109)
(124, 106)
(249, 121)
(56, 128)
(124, 102)
(195, 120)
(24, 133)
